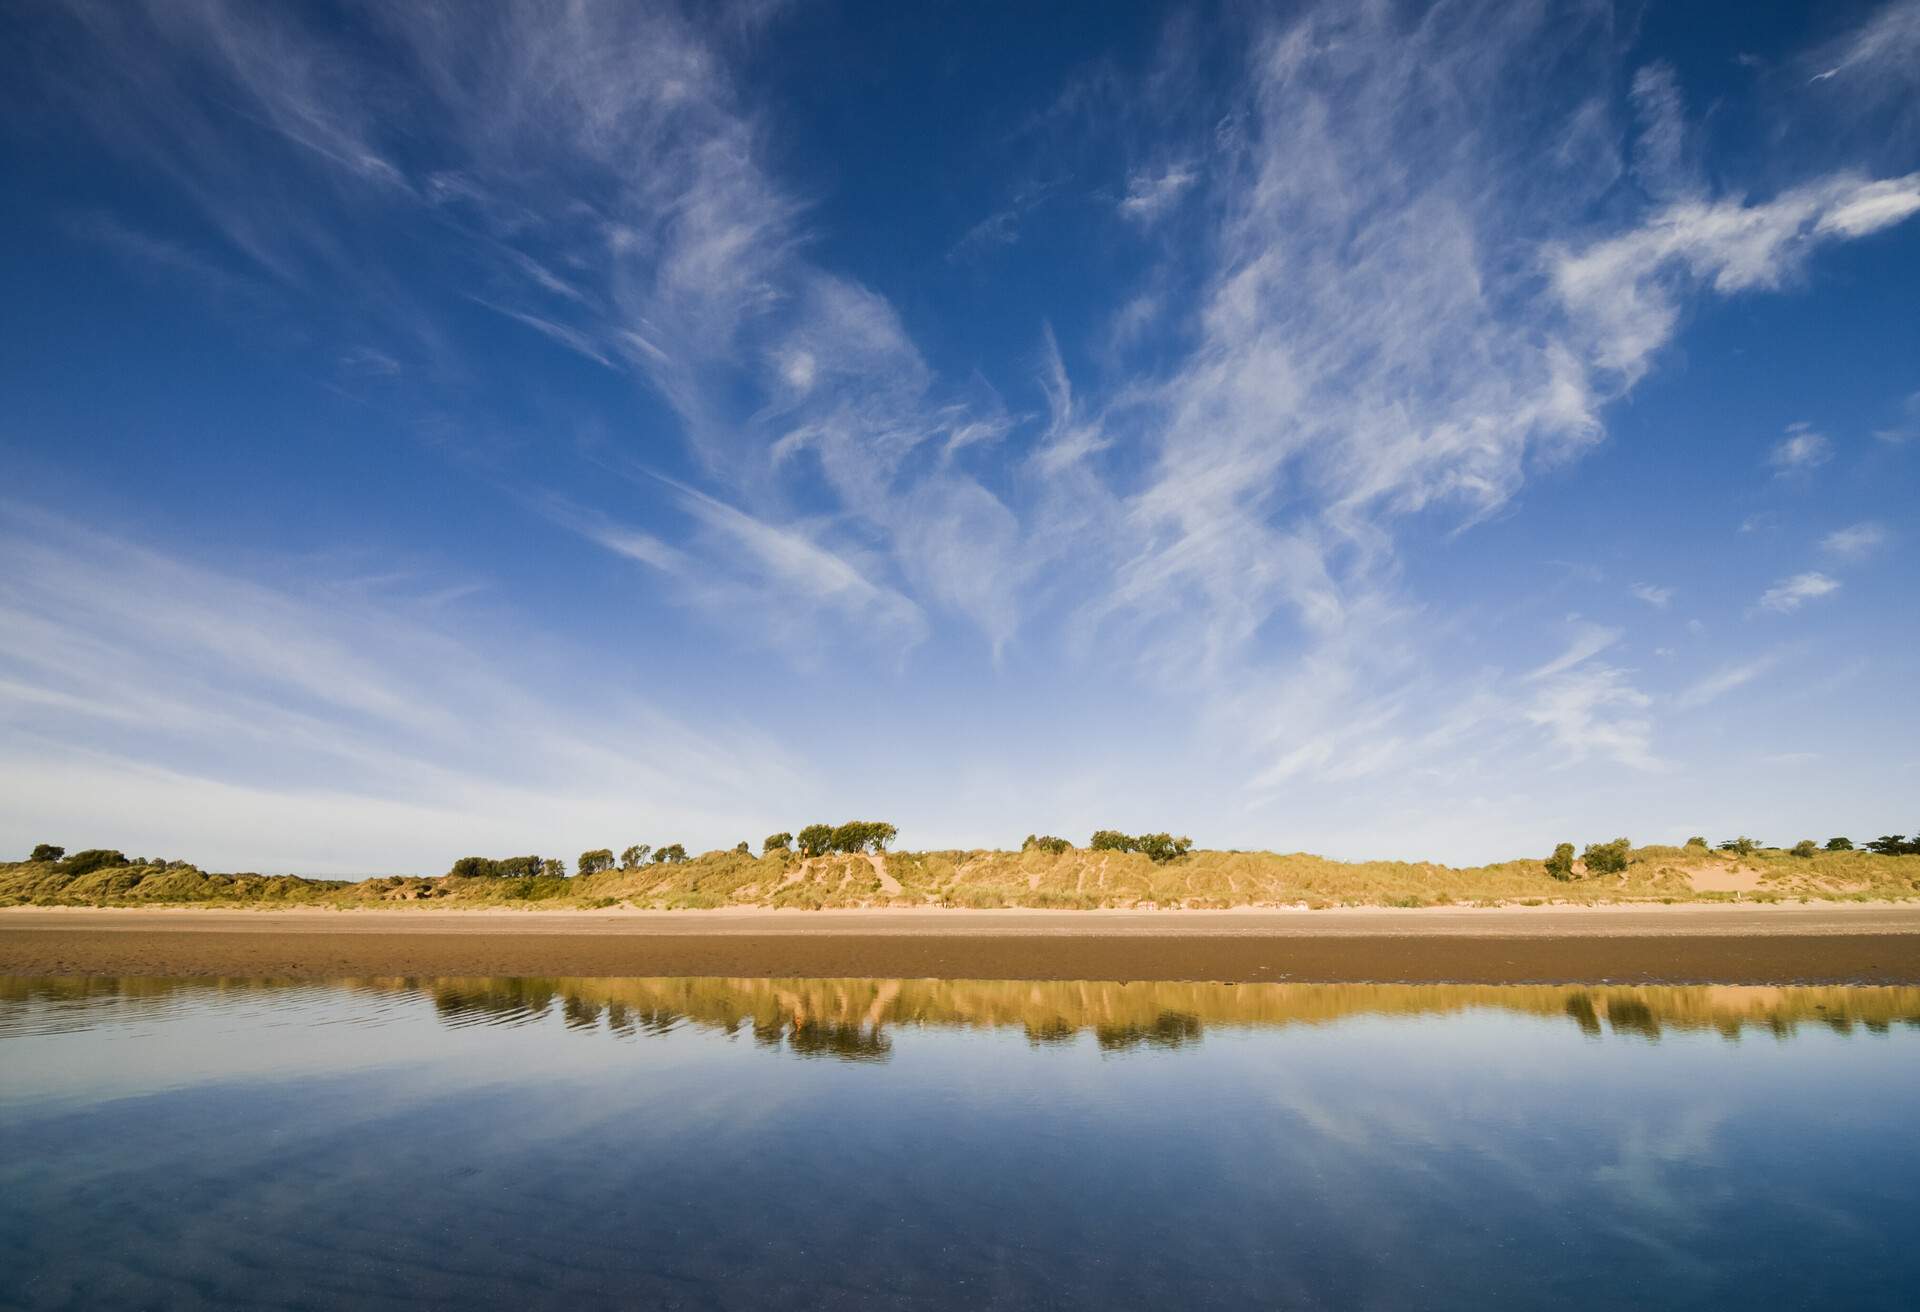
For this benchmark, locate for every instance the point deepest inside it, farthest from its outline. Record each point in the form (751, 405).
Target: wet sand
(1687, 944)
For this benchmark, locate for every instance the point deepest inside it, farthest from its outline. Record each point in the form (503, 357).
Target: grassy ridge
(1075, 879)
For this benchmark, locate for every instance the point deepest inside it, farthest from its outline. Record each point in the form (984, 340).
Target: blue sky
(1382, 431)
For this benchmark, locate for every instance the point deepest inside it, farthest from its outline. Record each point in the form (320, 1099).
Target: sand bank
(1878, 944)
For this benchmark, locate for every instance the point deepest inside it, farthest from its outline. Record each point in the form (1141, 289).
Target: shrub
(1696, 841)
(1607, 858)
(1839, 845)
(816, 840)
(1741, 846)
(1560, 864)
(1045, 843)
(94, 858)
(594, 860)
(780, 842)
(671, 854)
(47, 852)
(1805, 848)
(553, 868)
(475, 867)
(743, 848)
(635, 857)
(1885, 845)
(1110, 840)
(523, 867)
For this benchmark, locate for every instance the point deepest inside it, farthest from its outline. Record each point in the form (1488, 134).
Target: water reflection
(857, 1019)
(953, 1144)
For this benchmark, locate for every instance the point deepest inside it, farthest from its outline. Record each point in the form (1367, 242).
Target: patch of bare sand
(1682, 944)
(1724, 879)
(888, 884)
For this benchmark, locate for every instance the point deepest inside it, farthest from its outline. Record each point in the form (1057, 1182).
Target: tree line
(852, 837)
(590, 862)
(91, 859)
(1611, 858)
(1157, 847)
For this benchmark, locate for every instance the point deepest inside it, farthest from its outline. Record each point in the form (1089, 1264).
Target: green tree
(1045, 843)
(1741, 846)
(1163, 847)
(743, 848)
(46, 852)
(816, 840)
(1560, 864)
(596, 859)
(859, 835)
(553, 868)
(1111, 840)
(94, 858)
(475, 867)
(523, 867)
(1805, 848)
(1607, 858)
(780, 842)
(1839, 845)
(1885, 845)
(671, 854)
(635, 857)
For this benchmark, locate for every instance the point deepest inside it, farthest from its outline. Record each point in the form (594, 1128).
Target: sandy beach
(1766, 944)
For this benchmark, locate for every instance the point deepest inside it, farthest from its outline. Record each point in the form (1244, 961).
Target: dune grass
(1075, 879)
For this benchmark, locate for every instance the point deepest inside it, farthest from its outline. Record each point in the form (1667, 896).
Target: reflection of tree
(1632, 1016)
(1580, 1007)
(1058, 1029)
(1170, 1029)
(833, 1039)
(854, 1019)
(496, 1001)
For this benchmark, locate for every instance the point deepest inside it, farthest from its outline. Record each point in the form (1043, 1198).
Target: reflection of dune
(852, 1018)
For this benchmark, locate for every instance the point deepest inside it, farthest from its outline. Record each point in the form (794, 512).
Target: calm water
(952, 1144)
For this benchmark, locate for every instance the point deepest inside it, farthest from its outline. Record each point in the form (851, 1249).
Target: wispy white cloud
(1588, 640)
(1662, 162)
(1872, 69)
(1789, 594)
(1594, 710)
(1800, 450)
(1909, 429)
(1151, 192)
(1002, 227)
(1723, 681)
(1589, 708)
(1397, 299)
(1624, 293)
(789, 564)
(1362, 357)
(573, 339)
(181, 690)
(1856, 540)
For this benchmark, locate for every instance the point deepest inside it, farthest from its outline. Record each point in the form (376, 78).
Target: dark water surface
(709, 1143)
